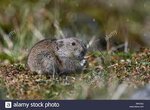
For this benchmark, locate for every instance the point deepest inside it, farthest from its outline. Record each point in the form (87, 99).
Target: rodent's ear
(53, 40)
(59, 43)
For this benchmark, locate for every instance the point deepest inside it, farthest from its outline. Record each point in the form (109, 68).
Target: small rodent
(57, 56)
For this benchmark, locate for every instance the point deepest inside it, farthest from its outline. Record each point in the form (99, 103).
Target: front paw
(83, 63)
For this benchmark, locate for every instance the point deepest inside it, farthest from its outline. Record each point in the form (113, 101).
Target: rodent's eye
(73, 43)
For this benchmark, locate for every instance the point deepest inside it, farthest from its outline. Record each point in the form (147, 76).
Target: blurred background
(24, 22)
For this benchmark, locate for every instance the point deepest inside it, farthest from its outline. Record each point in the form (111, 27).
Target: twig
(6, 39)
(91, 41)
(107, 38)
(126, 45)
(36, 32)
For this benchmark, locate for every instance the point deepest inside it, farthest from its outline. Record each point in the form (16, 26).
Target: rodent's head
(70, 48)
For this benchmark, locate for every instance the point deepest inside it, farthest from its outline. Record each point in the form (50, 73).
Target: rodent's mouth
(81, 56)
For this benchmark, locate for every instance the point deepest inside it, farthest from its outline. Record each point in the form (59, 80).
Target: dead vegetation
(96, 81)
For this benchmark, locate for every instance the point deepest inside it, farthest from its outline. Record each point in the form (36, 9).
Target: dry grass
(97, 81)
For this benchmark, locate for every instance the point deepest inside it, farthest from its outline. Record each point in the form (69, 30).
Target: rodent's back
(41, 55)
